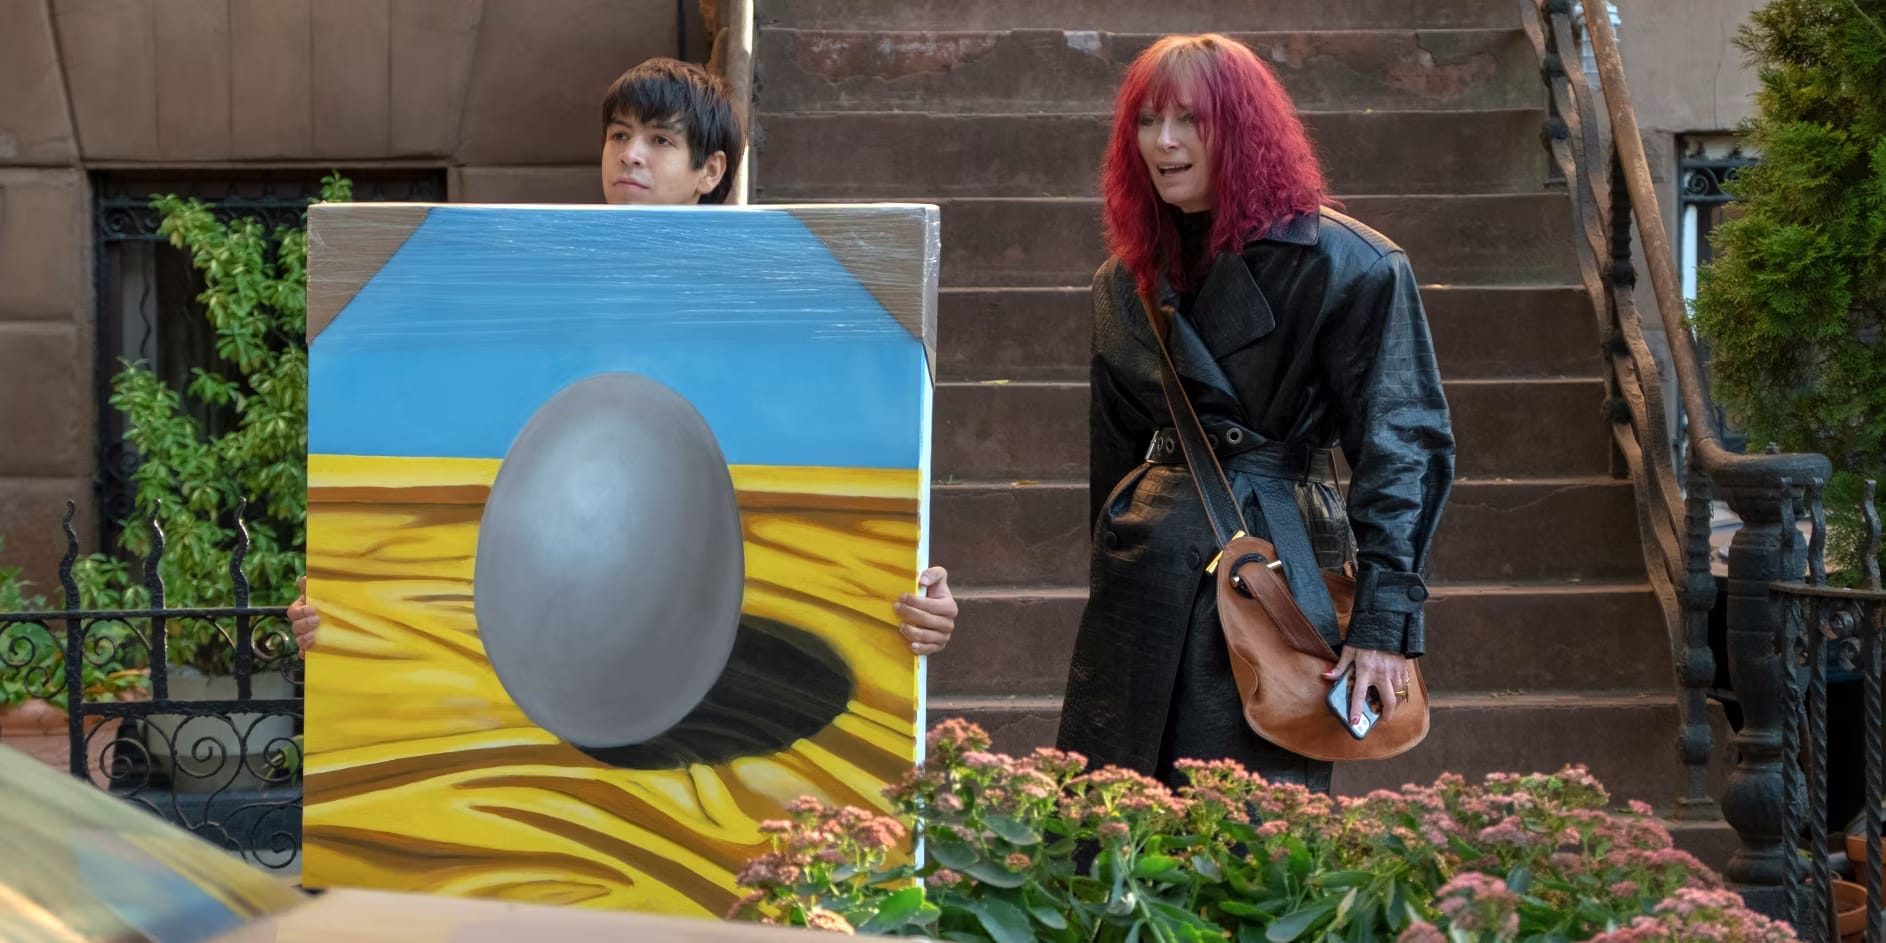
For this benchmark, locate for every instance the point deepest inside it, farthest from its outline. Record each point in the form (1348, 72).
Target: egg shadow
(781, 685)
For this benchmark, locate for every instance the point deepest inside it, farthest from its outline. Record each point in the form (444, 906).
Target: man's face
(649, 163)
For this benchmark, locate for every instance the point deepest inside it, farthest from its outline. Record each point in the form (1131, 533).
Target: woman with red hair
(1292, 329)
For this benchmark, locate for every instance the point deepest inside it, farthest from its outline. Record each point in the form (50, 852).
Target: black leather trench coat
(1315, 337)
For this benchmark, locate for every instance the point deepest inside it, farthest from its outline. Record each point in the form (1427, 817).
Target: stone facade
(499, 94)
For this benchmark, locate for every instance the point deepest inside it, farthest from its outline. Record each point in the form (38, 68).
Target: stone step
(1504, 239)
(1550, 530)
(1018, 641)
(1489, 332)
(894, 156)
(1059, 71)
(1014, 333)
(1508, 428)
(1137, 16)
(1626, 738)
(1480, 332)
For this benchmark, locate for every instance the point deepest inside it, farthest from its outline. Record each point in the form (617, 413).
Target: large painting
(607, 510)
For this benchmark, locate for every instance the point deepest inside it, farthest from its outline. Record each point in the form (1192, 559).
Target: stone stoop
(1547, 645)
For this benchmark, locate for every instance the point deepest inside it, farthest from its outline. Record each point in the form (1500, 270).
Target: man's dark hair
(663, 89)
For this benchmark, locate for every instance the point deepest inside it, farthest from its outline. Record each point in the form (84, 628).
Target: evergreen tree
(1794, 305)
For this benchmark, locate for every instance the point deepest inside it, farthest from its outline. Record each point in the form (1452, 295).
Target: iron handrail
(1675, 498)
(1601, 156)
(1704, 442)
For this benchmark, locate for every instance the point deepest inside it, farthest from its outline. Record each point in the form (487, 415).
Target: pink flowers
(1479, 903)
(1209, 853)
(1699, 915)
(819, 919)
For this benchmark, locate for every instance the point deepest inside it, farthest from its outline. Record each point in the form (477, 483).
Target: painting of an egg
(609, 570)
(608, 508)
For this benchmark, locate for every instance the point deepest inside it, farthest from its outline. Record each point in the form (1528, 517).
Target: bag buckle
(1212, 567)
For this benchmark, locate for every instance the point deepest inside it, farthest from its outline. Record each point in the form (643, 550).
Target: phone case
(1338, 701)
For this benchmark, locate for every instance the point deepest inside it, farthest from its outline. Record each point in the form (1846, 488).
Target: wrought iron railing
(1827, 627)
(222, 760)
(1594, 139)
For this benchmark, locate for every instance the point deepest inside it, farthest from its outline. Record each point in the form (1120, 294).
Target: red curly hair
(1263, 167)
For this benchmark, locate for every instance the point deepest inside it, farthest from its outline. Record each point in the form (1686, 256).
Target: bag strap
(1289, 539)
(1221, 506)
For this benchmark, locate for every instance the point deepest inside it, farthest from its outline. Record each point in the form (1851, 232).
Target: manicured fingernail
(1356, 719)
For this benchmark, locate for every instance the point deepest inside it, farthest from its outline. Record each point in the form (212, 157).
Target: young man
(670, 138)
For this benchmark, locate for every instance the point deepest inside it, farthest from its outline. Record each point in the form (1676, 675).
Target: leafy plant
(1038, 848)
(1794, 305)
(255, 298)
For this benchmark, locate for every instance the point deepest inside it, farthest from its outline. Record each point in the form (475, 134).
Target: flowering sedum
(1041, 848)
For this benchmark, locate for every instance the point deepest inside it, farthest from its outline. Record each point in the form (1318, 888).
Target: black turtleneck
(1194, 252)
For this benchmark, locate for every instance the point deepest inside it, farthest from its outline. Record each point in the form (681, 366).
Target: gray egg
(610, 567)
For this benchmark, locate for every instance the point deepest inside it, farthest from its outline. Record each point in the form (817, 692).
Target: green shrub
(1794, 307)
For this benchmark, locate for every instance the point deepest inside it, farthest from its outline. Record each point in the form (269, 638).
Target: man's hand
(1386, 672)
(303, 619)
(930, 614)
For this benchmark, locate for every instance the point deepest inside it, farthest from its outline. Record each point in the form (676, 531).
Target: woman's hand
(930, 614)
(1386, 672)
(304, 620)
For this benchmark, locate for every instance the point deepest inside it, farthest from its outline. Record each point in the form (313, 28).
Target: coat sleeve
(1378, 361)
(1118, 427)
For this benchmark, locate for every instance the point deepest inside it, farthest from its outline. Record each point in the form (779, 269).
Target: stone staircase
(1546, 645)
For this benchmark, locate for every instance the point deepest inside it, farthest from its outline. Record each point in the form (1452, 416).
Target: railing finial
(237, 578)
(1869, 544)
(71, 558)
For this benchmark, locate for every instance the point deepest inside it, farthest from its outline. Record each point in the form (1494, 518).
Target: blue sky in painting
(486, 312)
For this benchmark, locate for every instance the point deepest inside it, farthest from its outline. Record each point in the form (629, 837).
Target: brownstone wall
(502, 94)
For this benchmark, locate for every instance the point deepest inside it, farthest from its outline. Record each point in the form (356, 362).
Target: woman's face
(1176, 156)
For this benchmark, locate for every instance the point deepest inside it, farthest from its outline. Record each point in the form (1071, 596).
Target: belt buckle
(1152, 448)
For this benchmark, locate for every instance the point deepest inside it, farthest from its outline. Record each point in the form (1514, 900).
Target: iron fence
(1826, 629)
(219, 755)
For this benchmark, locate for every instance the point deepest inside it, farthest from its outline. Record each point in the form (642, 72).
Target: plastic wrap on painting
(607, 510)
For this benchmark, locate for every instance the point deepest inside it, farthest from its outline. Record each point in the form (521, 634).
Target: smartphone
(1338, 702)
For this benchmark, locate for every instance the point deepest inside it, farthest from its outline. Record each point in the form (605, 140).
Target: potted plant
(33, 690)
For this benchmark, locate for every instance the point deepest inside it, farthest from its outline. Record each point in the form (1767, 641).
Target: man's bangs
(653, 101)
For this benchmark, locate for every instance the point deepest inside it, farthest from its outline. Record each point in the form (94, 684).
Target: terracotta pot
(1856, 853)
(39, 729)
(1849, 910)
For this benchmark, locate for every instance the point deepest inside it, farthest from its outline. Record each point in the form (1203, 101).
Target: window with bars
(1707, 162)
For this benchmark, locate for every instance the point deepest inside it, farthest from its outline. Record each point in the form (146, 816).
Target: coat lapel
(1230, 311)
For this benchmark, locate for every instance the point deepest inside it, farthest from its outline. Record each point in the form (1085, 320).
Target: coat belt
(1241, 450)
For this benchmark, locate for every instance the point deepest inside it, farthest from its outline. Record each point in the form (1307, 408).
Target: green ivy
(1794, 307)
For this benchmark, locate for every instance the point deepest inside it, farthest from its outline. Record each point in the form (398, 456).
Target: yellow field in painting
(423, 776)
